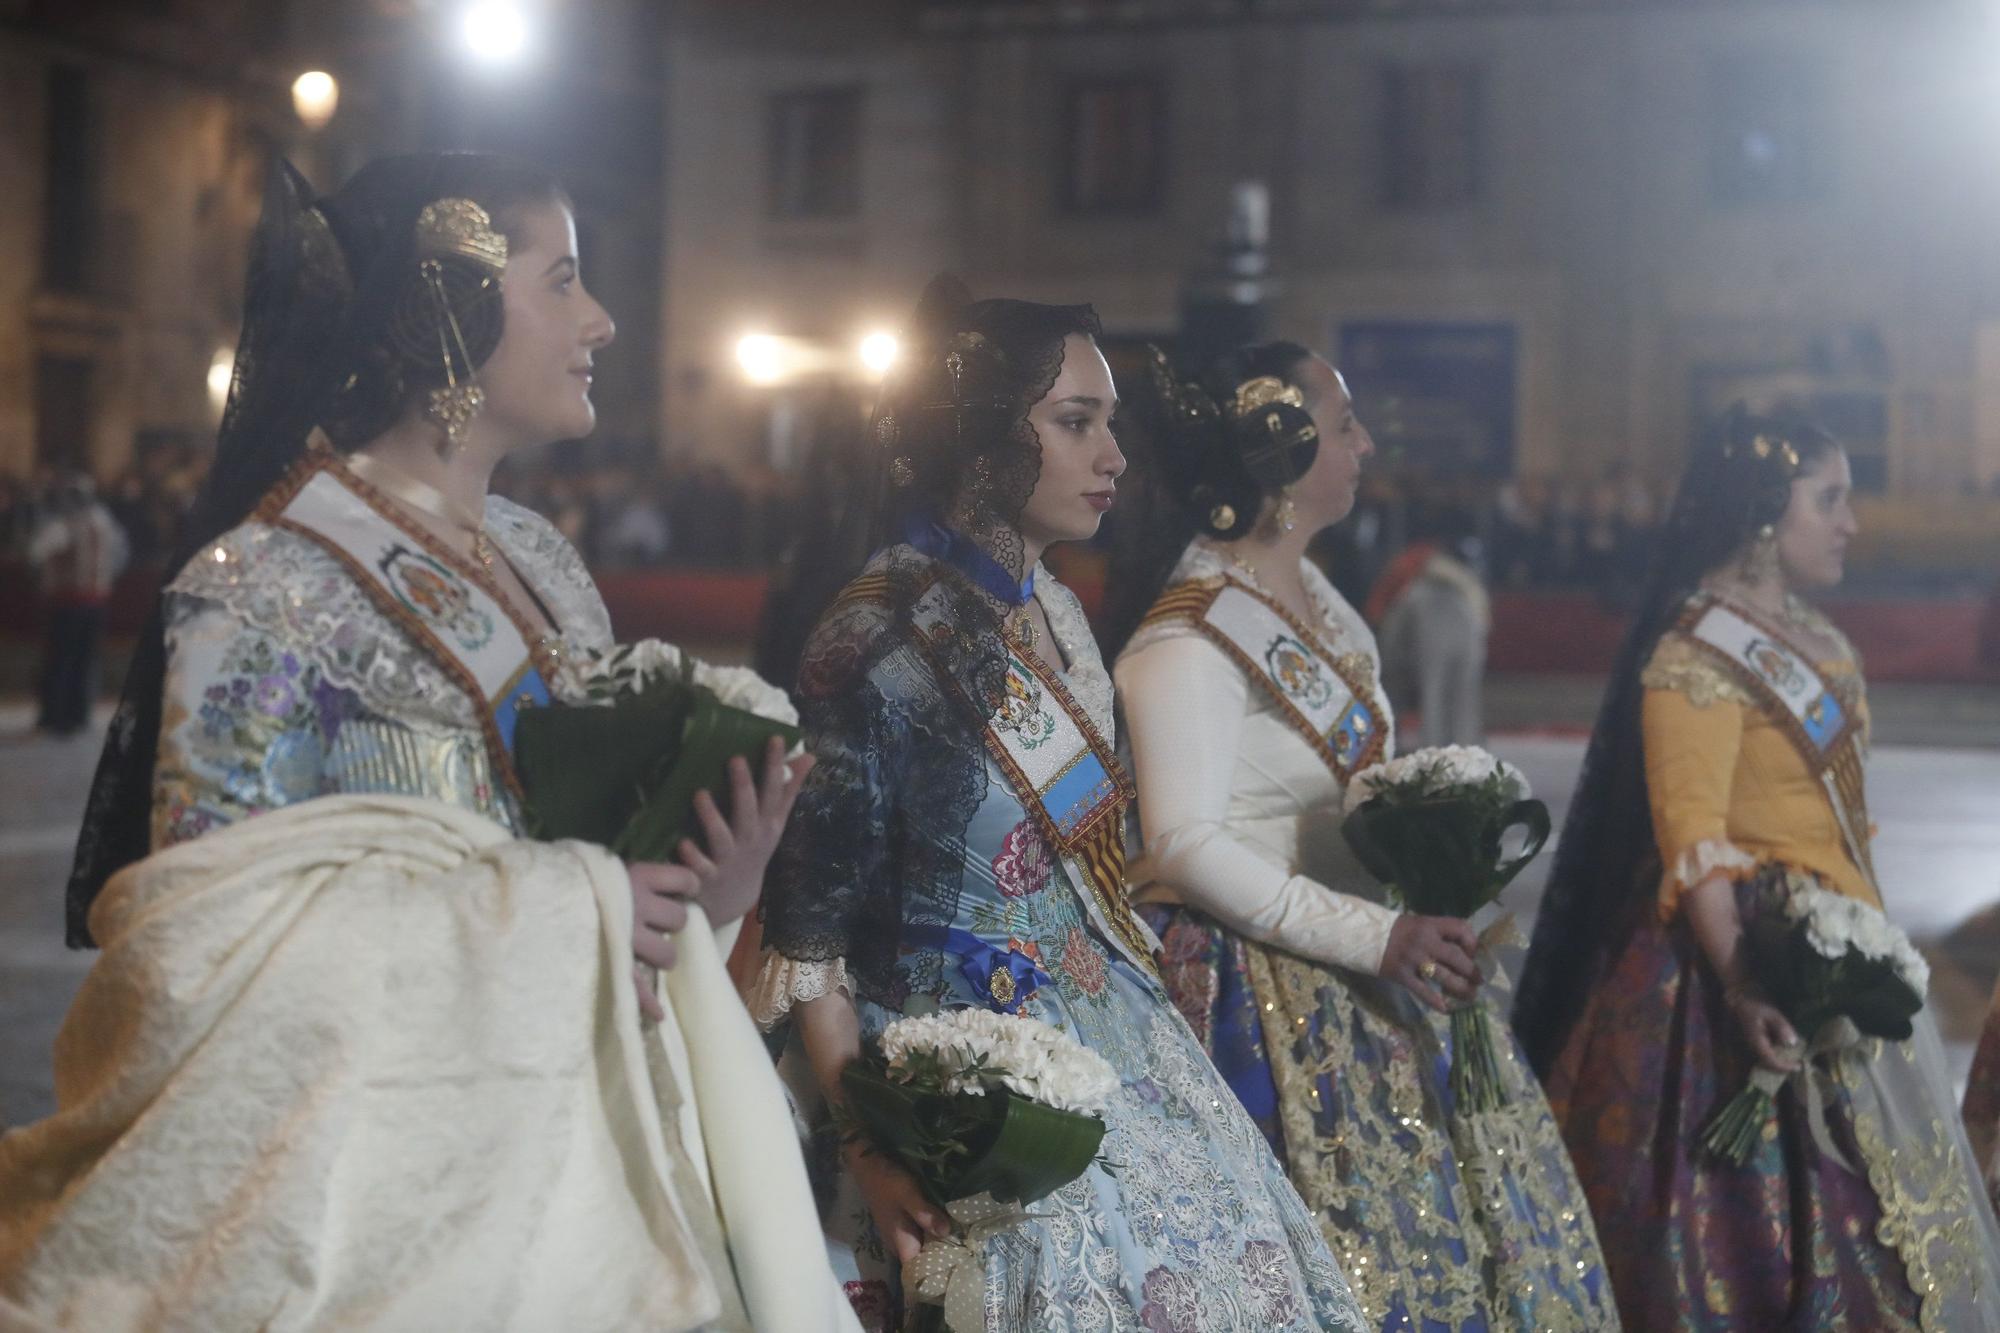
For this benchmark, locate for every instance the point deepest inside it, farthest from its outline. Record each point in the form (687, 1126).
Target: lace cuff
(1696, 864)
(783, 982)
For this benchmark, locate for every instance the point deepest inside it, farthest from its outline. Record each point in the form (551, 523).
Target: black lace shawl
(877, 839)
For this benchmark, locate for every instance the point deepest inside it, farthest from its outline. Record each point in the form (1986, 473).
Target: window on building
(69, 201)
(1766, 131)
(1430, 149)
(1114, 146)
(813, 154)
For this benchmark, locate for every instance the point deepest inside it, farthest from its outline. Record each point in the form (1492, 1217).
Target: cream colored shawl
(369, 1062)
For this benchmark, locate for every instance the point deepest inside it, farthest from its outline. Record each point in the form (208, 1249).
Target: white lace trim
(783, 982)
(1087, 679)
(1700, 861)
(293, 589)
(544, 556)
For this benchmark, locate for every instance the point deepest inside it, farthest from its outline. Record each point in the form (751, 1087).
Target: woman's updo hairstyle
(425, 237)
(1206, 455)
(1236, 437)
(1737, 482)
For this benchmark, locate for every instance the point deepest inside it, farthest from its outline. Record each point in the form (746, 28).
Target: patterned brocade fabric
(1792, 1240)
(1441, 1220)
(1187, 1224)
(285, 682)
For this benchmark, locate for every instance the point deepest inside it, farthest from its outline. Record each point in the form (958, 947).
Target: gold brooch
(462, 228)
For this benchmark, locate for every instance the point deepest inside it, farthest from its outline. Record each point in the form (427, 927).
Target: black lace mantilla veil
(327, 279)
(1607, 864)
(877, 838)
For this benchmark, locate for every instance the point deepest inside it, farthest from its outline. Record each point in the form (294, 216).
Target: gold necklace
(423, 497)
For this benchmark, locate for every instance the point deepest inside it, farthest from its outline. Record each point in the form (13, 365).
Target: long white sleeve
(1185, 705)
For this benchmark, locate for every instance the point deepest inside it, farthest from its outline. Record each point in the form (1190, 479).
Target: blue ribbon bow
(1002, 979)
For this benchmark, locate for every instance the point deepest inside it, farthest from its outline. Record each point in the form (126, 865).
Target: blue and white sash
(1333, 707)
(1064, 774)
(1822, 728)
(461, 625)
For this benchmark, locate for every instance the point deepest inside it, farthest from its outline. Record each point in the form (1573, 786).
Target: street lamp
(878, 353)
(762, 358)
(315, 96)
(494, 31)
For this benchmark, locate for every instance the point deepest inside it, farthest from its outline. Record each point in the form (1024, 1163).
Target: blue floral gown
(1195, 1228)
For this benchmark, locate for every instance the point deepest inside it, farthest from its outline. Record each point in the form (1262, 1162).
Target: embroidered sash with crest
(1332, 706)
(1064, 773)
(462, 627)
(1821, 726)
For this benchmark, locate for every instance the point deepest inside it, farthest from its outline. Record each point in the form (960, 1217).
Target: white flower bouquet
(1838, 969)
(622, 769)
(973, 1101)
(989, 1111)
(1431, 826)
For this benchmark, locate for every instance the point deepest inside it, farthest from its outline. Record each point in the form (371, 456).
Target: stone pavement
(1938, 850)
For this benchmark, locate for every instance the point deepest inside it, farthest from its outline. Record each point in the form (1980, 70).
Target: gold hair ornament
(1263, 391)
(453, 405)
(461, 228)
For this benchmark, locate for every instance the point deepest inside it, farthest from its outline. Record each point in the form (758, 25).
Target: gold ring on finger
(1429, 971)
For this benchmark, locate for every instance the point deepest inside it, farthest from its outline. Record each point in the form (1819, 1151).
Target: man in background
(77, 551)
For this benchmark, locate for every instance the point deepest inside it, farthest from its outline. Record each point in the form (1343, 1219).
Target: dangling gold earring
(453, 406)
(1286, 516)
(1760, 562)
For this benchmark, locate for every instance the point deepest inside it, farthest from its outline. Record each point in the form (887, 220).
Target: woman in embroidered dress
(949, 684)
(1706, 797)
(357, 1053)
(1251, 695)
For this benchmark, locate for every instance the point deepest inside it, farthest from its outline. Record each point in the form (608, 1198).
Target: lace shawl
(877, 840)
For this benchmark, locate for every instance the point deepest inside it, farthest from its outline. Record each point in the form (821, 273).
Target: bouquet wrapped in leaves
(622, 770)
(1431, 826)
(988, 1111)
(1839, 971)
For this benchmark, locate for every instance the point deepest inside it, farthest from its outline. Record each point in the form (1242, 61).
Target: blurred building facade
(134, 140)
(1539, 238)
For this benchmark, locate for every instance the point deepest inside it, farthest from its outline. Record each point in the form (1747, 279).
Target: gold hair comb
(1262, 392)
(462, 228)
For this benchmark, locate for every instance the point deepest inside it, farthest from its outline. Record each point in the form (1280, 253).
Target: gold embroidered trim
(1678, 664)
(1927, 1208)
(1392, 1145)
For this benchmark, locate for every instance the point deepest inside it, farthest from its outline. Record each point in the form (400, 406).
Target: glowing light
(762, 358)
(315, 97)
(220, 371)
(878, 352)
(494, 31)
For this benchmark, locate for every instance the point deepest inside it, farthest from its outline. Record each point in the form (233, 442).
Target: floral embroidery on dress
(1083, 964)
(1189, 974)
(259, 738)
(1173, 1302)
(1267, 1281)
(1022, 867)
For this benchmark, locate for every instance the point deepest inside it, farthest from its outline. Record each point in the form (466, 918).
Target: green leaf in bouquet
(1443, 853)
(712, 734)
(934, 1135)
(586, 769)
(1037, 1151)
(959, 1144)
